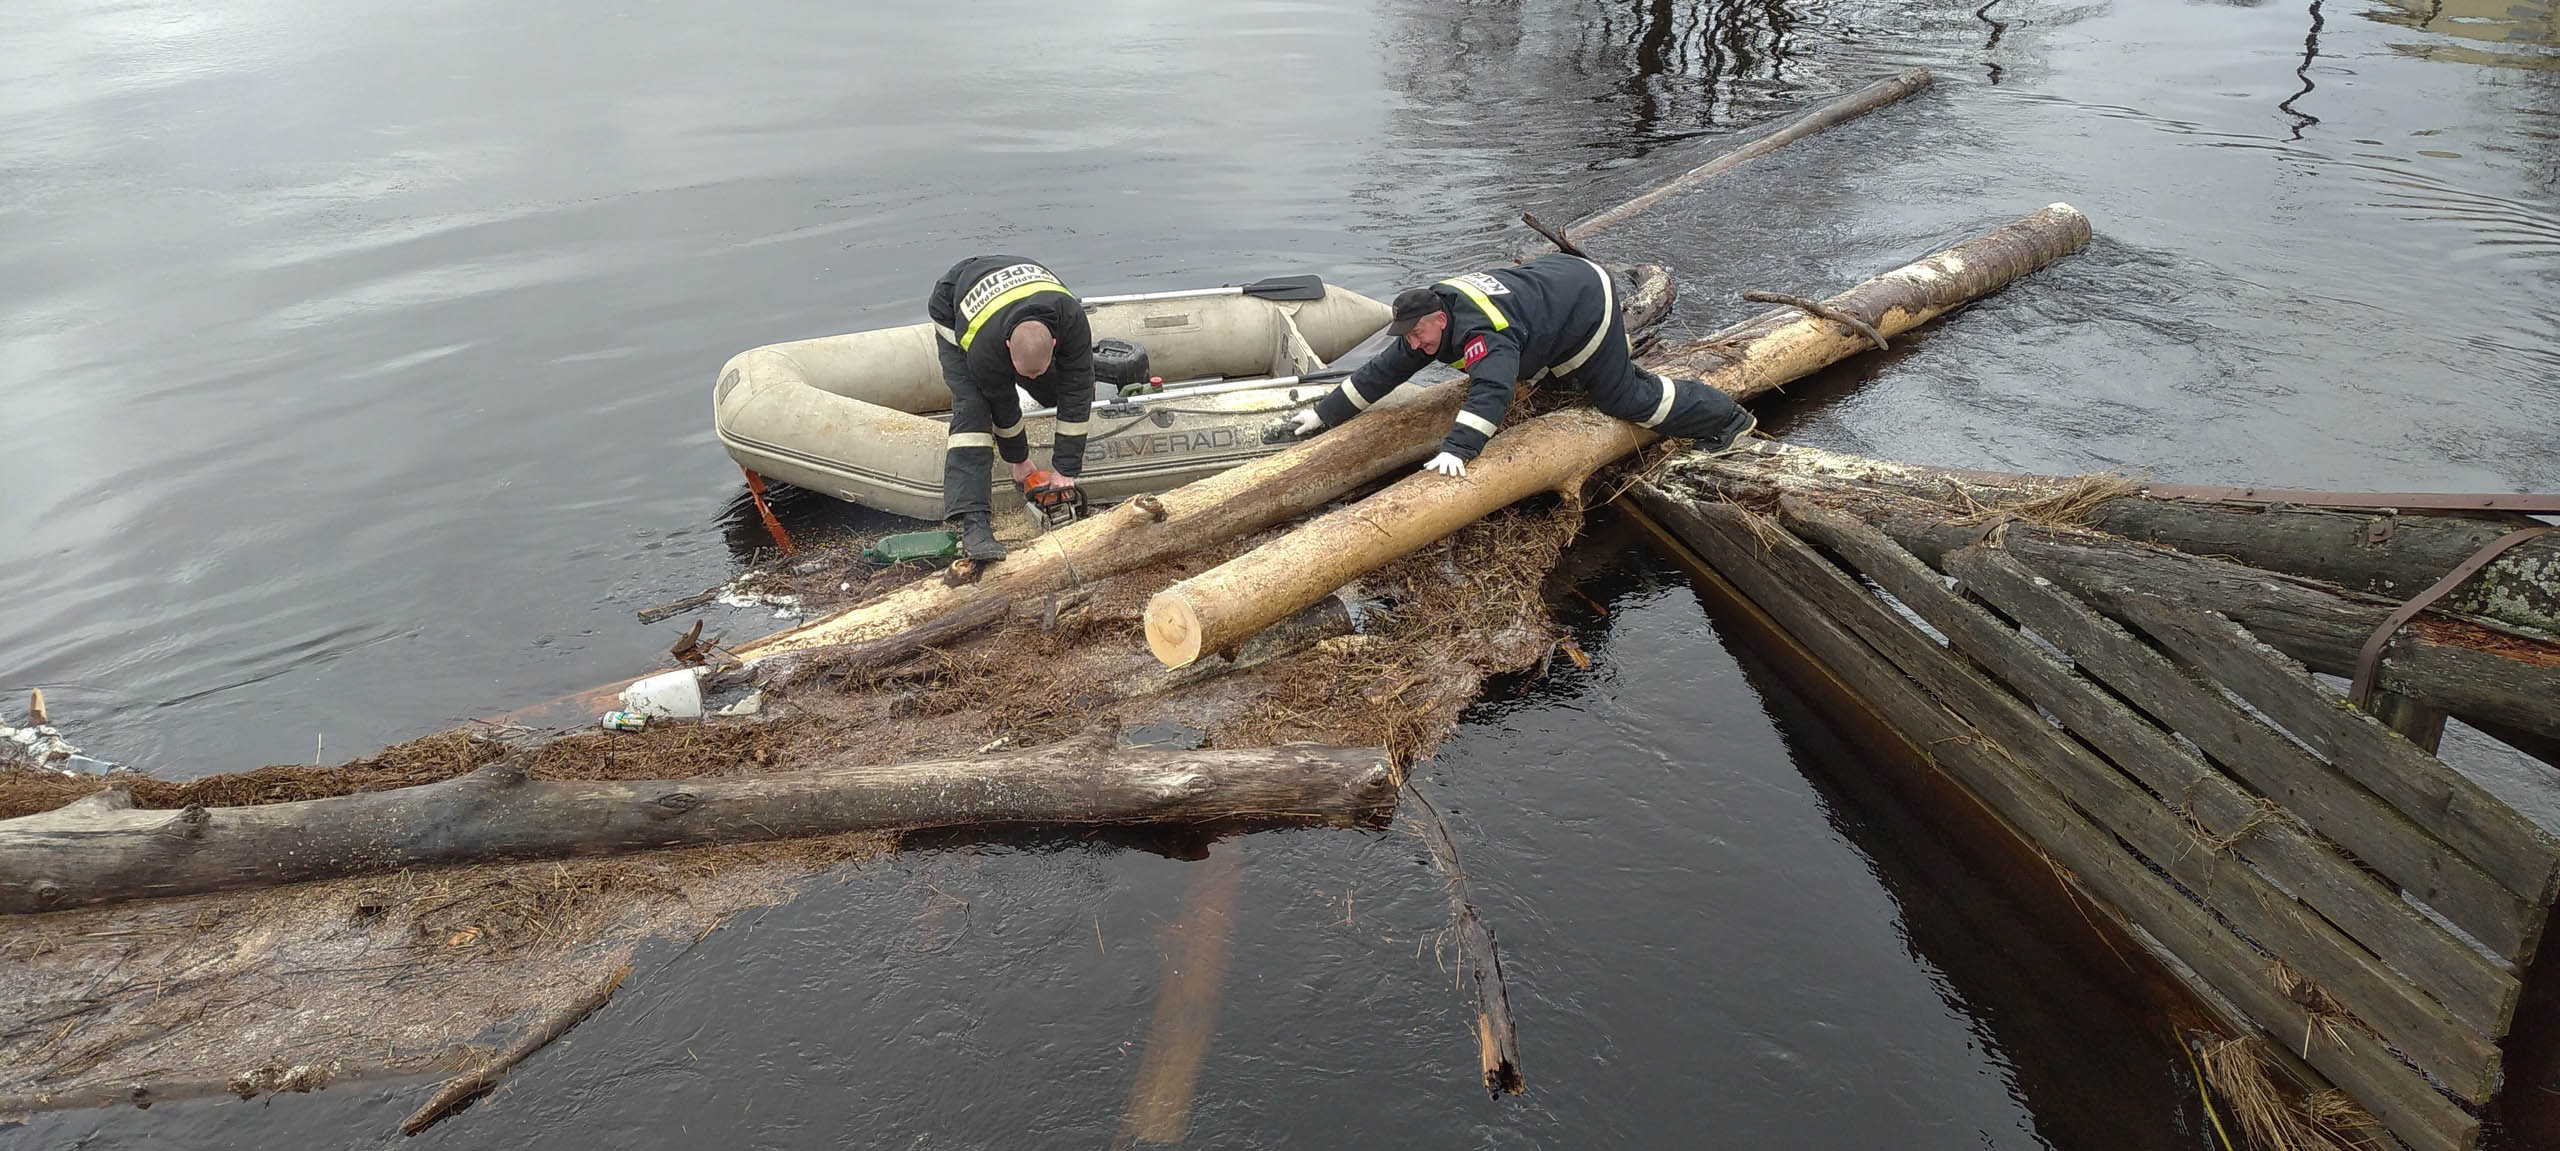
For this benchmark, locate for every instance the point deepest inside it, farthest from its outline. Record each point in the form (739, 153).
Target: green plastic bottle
(906, 546)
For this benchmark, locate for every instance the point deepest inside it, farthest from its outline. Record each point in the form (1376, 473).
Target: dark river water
(354, 380)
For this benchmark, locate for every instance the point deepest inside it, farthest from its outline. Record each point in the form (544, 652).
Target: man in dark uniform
(1003, 322)
(1555, 317)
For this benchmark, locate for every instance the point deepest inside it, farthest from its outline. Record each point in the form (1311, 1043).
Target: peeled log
(1219, 608)
(1402, 430)
(101, 850)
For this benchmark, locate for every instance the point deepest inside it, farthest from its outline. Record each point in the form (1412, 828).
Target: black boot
(1750, 423)
(978, 537)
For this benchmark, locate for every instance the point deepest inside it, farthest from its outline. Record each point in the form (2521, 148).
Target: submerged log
(472, 1083)
(1218, 609)
(1849, 107)
(102, 850)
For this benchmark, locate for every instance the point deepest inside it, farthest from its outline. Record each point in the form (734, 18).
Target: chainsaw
(1054, 502)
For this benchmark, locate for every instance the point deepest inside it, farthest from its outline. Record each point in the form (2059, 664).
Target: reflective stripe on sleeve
(1479, 423)
(1359, 403)
(946, 335)
(1010, 431)
(970, 440)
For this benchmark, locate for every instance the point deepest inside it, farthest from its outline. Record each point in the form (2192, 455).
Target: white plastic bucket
(672, 695)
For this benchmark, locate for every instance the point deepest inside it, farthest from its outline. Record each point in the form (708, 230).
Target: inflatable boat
(862, 416)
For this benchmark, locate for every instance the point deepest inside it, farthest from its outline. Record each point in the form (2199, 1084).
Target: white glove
(1307, 423)
(1447, 465)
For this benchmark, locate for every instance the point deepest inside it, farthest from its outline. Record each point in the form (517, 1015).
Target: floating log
(1218, 609)
(1497, 1040)
(100, 849)
(846, 661)
(1877, 95)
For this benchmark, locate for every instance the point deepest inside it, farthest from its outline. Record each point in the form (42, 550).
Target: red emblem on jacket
(1476, 350)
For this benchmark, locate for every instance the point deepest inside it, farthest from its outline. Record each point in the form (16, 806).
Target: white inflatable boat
(862, 416)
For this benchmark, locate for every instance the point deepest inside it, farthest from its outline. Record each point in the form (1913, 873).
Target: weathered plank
(2331, 804)
(2450, 664)
(2457, 1055)
(2354, 1060)
(2488, 830)
(2415, 721)
(2474, 988)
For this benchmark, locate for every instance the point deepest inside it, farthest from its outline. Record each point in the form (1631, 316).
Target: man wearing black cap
(1555, 317)
(1002, 322)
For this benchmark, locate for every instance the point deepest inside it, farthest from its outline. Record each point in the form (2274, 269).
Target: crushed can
(625, 721)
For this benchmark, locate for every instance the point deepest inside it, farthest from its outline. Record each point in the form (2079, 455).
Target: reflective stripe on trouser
(968, 455)
(1683, 408)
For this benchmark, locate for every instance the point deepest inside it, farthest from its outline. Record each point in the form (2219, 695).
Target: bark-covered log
(2504, 678)
(102, 850)
(1221, 607)
(2370, 550)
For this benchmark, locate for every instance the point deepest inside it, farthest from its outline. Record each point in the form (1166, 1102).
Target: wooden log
(2486, 829)
(2114, 881)
(1497, 1041)
(2448, 663)
(2331, 804)
(848, 661)
(1217, 609)
(1849, 107)
(481, 1078)
(1322, 620)
(2452, 664)
(2375, 551)
(101, 850)
(2460, 1057)
(1402, 430)
(2475, 989)
(2371, 550)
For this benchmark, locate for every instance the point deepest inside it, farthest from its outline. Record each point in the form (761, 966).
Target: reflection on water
(2302, 71)
(2516, 33)
(355, 365)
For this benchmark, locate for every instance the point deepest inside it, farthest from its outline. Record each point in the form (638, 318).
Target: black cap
(1411, 305)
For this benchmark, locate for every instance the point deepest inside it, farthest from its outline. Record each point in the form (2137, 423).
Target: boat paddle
(1275, 288)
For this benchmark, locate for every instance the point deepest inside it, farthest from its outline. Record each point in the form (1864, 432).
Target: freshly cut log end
(1174, 633)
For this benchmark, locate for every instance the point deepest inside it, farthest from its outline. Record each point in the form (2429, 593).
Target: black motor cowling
(1120, 363)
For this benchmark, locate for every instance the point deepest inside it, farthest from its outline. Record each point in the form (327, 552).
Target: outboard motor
(1121, 364)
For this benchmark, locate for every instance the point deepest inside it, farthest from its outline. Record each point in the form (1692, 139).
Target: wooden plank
(2487, 830)
(2415, 721)
(2332, 805)
(2457, 1055)
(2395, 1093)
(2473, 987)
